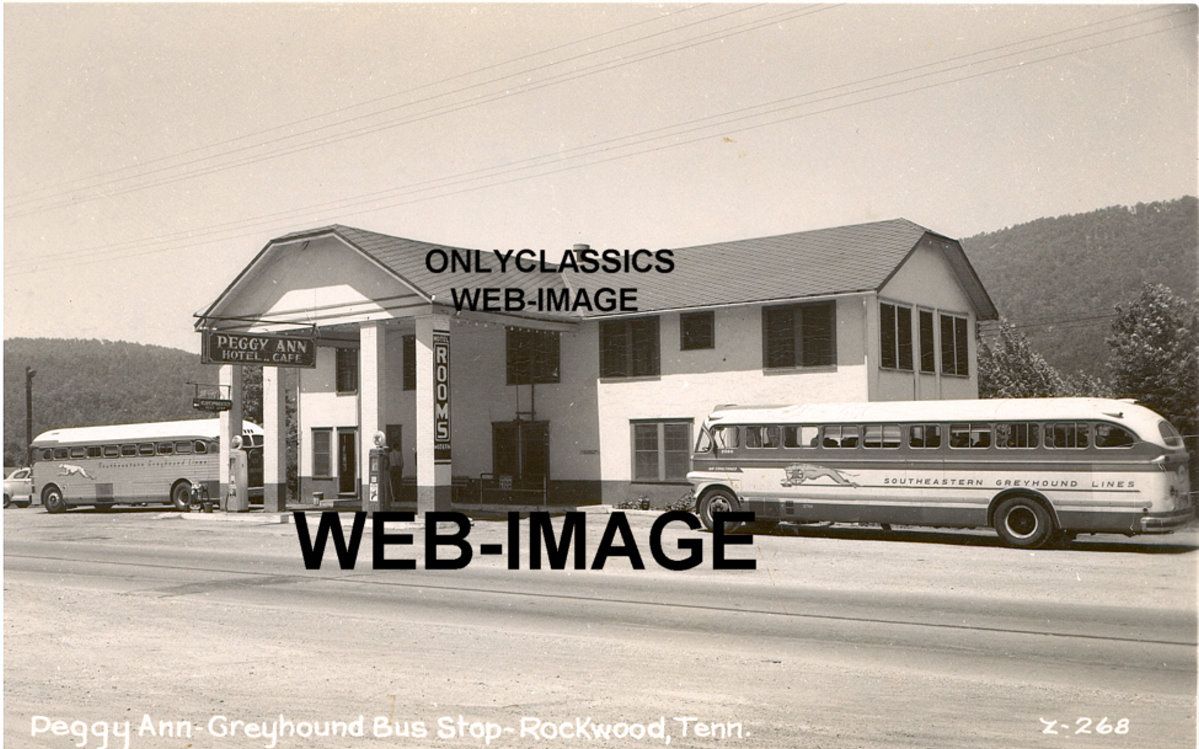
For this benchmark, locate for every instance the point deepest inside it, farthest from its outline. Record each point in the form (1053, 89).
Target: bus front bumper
(1165, 522)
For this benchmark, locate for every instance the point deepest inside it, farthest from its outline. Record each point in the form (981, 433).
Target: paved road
(840, 638)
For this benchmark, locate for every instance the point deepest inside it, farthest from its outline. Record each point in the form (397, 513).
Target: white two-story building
(594, 407)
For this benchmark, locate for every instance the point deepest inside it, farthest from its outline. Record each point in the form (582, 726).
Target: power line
(363, 103)
(686, 142)
(465, 176)
(355, 133)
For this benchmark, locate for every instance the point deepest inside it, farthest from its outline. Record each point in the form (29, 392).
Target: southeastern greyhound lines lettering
(1036, 483)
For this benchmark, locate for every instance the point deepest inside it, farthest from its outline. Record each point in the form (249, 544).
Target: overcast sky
(151, 150)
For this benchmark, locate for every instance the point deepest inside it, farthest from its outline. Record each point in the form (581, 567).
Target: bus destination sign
(259, 348)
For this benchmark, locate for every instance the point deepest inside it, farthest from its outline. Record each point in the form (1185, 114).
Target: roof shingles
(787, 266)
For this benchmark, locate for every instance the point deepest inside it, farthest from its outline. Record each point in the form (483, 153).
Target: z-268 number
(1104, 727)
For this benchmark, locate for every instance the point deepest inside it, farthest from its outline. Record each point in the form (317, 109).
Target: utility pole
(29, 373)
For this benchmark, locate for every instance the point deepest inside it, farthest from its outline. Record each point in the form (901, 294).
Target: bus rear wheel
(714, 501)
(181, 496)
(53, 500)
(1024, 523)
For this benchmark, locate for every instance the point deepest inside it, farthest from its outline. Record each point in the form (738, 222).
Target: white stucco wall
(692, 382)
(927, 282)
(589, 419)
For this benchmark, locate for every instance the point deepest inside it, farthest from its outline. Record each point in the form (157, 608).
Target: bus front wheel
(53, 500)
(714, 501)
(181, 496)
(1023, 523)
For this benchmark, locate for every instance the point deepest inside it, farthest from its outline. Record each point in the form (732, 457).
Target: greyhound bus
(135, 464)
(1034, 469)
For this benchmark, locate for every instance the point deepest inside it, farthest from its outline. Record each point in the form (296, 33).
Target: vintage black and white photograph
(616, 375)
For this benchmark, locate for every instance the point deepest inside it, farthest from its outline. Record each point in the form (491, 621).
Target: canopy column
(434, 468)
(274, 441)
(372, 385)
(229, 379)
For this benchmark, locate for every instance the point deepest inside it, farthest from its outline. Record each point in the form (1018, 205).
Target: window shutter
(903, 321)
(613, 348)
(886, 329)
(778, 337)
(819, 331)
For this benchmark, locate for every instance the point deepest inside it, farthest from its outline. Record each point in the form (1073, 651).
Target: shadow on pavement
(1101, 543)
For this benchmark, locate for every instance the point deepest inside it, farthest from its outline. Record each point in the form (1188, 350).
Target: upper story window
(697, 330)
(409, 362)
(955, 349)
(533, 356)
(895, 333)
(347, 370)
(928, 347)
(630, 348)
(799, 335)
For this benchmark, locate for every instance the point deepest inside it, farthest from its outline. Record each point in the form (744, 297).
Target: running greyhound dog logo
(799, 473)
(67, 469)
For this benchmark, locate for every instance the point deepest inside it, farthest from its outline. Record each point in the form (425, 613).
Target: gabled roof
(824, 262)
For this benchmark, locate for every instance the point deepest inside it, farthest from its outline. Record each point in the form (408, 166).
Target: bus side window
(47, 454)
(201, 447)
(93, 451)
(803, 436)
(78, 452)
(1023, 435)
(145, 448)
(183, 448)
(924, 436)
(844, 435)
(60, 453)
(128, 450)
(165, 448)
(1110, 435)
(1068, 435)
(959, 436)
(761, 437)
(725, 437)
(879, 435)
(112, 451)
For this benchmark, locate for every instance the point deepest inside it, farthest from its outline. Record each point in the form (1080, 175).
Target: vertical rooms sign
(441, 397)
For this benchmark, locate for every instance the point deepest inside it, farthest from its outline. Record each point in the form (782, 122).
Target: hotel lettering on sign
(258, 348)
(441, 398)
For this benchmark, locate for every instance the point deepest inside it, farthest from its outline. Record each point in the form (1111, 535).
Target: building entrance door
(521, 449)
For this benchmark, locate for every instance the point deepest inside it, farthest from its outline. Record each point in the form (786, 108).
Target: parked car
(18, 488)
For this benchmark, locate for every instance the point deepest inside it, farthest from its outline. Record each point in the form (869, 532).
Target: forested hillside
(86, 382)
(1057, 270)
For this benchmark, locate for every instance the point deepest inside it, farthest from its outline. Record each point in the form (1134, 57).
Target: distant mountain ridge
(1057, 270)
(84, 382)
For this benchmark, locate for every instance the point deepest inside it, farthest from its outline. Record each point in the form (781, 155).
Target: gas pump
(378, 488)
(237, 495)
